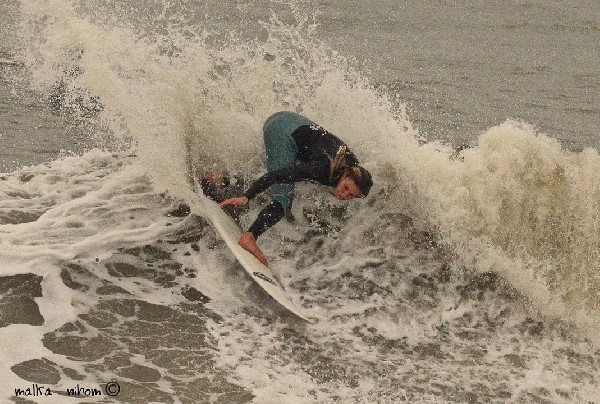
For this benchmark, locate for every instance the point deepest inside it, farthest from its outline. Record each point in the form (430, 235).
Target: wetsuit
(297, 150)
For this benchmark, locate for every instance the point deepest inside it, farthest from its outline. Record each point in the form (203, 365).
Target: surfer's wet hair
(339, 168)
(361, 177)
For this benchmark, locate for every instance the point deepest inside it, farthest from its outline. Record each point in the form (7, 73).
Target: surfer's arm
(285, 176)
(299, 172)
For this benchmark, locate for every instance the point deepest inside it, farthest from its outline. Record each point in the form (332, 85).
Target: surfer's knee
(283, 194)
(285, 203)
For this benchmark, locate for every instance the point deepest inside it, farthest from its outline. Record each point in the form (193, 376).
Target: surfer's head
(355, 182)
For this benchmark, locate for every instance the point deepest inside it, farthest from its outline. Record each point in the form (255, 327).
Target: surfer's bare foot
(248, 242)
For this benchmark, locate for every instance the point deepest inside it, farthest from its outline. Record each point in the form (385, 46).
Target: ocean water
(471, 273)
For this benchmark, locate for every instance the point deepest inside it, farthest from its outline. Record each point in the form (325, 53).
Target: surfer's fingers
(241, 201)
(234, 201)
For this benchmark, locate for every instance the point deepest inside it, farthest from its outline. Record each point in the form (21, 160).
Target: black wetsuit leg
(271, 214)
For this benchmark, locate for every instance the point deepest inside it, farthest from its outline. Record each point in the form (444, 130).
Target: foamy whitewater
(469, 274)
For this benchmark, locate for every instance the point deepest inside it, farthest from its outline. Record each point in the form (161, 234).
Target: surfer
(299, 150)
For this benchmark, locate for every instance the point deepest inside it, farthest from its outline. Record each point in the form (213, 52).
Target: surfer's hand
(239, 201)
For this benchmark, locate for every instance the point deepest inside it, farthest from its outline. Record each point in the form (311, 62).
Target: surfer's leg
(282, 151)
(268, 217)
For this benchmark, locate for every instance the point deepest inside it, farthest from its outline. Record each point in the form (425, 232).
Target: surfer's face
(346, 189)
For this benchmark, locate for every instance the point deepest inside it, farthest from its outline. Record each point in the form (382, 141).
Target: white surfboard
(230, 233)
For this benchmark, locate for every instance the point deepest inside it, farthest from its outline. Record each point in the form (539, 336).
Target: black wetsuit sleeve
(269, 216)
(299, 172)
